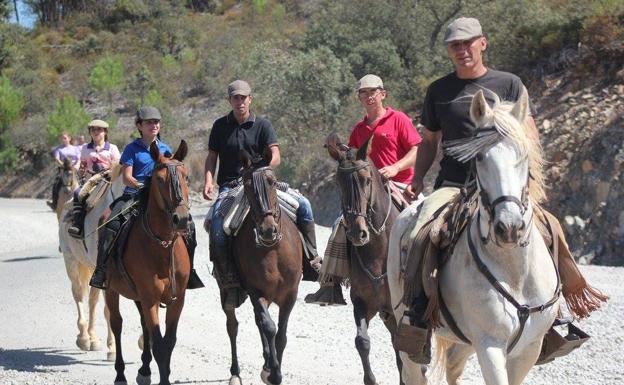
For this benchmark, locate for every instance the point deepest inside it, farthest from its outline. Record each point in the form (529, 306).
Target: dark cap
(239, 87)
(147, 113)
(463, 28)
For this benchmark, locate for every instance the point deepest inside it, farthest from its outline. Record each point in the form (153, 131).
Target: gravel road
(38, 325)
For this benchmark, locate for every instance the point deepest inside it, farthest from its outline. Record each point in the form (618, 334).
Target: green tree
(107, 76)
(68, 116)
(11, 104)
(5, 10)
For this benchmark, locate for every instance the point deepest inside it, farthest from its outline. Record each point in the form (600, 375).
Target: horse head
(169, 185)
(259, 183)
(503, 150)
(358, 182)
(69, 175)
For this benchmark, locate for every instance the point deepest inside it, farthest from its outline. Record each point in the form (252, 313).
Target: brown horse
(368, 214)
(157, 264)
(68, 183)
(268, 253)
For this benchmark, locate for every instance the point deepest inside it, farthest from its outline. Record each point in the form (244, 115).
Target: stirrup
(326, 296)
(555, 345)
(414, 341)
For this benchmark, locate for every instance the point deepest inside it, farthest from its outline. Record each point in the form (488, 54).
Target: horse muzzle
(508, 233)
(180, 221)
(358, 232)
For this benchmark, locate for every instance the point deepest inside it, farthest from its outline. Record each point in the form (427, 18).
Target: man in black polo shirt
(241, 129)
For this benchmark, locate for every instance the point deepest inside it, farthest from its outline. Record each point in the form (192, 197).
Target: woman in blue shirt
(137, 165)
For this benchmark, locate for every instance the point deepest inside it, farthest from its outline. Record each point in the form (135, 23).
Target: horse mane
(506, 126)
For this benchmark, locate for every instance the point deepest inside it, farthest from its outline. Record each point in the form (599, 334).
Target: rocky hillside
(582, 124)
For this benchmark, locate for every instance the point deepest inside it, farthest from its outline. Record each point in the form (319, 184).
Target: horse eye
(479, 157)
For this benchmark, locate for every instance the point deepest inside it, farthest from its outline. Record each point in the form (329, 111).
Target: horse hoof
(83, 343)
(95, 346)
(143, 380)
(110, 356)
(264, 376)
(120, 383)
(235, 380)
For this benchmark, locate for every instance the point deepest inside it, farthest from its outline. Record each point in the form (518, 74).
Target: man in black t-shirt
(446, 117)
(243, 130)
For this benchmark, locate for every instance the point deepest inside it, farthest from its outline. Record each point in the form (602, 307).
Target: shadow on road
(42, 360)
(25, 259)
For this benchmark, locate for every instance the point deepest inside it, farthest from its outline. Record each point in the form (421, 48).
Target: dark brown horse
(68, 176)
(368, 214)
(157, 263)
(268, 253)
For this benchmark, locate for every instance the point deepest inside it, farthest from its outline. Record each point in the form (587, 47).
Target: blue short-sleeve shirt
(137, 155)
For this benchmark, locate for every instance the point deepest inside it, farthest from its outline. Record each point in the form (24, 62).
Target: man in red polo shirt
(393, 147)
(394, 137)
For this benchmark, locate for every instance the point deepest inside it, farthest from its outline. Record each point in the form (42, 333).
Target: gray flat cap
(464, 28)
(147, 113)
(239, 87)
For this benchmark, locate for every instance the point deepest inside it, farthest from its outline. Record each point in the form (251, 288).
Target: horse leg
(231, 324)
(519, 366)
(94, 297)
(79, 292)
(282, 325)
(163, 346)
(456, 357)
(268, 330)
(144, 377)
(390, 323)
(110, 338)
(112, 301)
(493, 362)
(362, 339)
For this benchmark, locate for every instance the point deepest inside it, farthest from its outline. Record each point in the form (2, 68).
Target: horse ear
(334, 147)
(520, 110)
(267, 155)
(245, 158)
(362, 152)
(480, 111)
(181, 152)
(154, 151)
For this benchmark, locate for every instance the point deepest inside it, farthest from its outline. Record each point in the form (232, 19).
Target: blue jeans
(218, 237)
(304, 212)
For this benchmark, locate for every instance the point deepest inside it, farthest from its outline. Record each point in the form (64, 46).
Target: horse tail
(437, 370)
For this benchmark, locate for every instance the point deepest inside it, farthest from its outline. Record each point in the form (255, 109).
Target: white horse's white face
(503, 172)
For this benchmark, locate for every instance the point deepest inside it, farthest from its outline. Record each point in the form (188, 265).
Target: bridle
(264, 208)
(177, 200)
(352, 203)
(175, 192)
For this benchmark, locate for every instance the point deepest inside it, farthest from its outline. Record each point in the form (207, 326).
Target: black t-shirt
(227, 138)
(447, 108)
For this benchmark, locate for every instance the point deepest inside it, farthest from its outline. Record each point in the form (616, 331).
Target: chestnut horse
(157, 265)
(368, 214)
(268, 252)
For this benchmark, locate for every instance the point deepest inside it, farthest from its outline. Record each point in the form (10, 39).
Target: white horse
(80, 259)
(503, 235)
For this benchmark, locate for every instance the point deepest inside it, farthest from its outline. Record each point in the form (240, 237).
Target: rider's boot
(194, 281)
(312, 266)
(105, 243)
(79, 213)
(329, 294)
